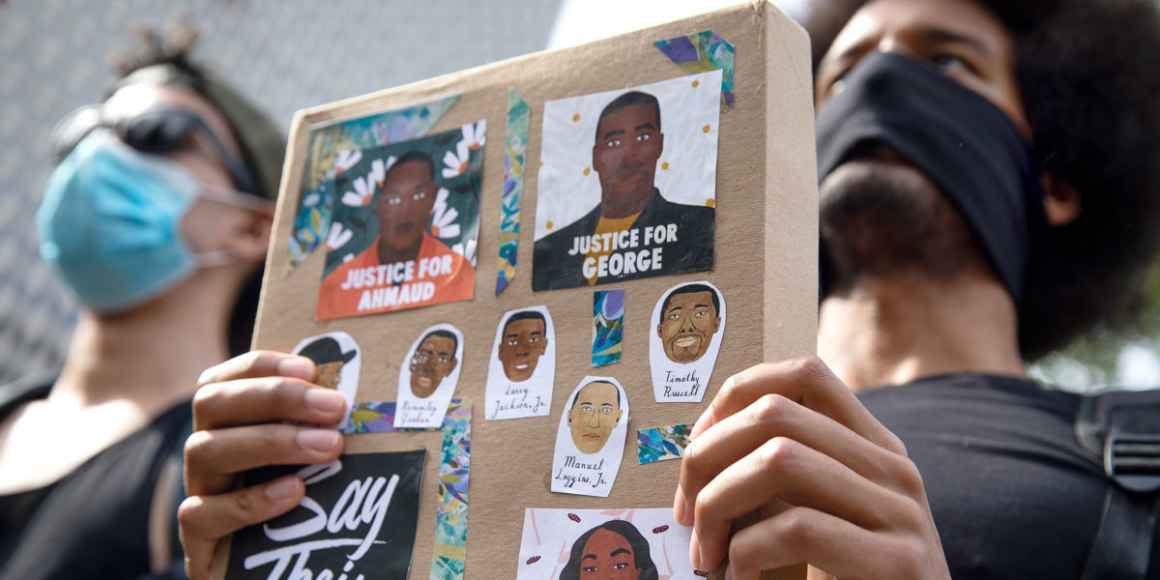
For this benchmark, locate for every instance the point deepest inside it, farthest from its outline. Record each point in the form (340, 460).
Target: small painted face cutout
(329, 374)
(593, 416)
(521, 346)
(608, 556)
(432, 362)
(688, 322)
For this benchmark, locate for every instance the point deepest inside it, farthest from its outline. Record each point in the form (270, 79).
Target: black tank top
(1013, 493)
(94, 522)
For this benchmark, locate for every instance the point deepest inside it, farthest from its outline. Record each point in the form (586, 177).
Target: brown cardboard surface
(766, 257)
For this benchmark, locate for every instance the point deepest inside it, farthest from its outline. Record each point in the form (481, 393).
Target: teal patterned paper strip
(702, 52)
(662, 443)
(519, 116)
(448, 562)
(607, 327)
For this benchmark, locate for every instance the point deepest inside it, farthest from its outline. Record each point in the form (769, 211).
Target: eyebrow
(588, 557)
(927, 34)
(620, 551)
(646, 126)
(613, 133)
(939, 35)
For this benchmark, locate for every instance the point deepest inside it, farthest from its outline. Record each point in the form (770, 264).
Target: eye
(418, 195)
(644, 137)
(392, 200)
(612, 143)
(620, 566)
(949, 62)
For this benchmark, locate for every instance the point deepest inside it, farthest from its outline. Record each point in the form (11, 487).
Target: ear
(250, 237)
(662, 144)
(1062, 204)
(595, 158)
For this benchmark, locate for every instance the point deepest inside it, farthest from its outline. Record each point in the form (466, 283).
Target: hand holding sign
(834, 487)
(241, 418)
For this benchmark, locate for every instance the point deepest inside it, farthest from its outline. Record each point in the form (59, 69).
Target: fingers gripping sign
(788, 454)
(255, 410)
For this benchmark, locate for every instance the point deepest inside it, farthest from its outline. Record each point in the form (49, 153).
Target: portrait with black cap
(336, 355)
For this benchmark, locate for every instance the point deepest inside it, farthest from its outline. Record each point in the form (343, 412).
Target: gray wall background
(285, 55)
(291, 54)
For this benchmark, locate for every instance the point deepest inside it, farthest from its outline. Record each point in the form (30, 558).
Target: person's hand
(787, 454)
(251, 411)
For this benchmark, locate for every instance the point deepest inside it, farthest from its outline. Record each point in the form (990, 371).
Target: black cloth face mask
(968, 147)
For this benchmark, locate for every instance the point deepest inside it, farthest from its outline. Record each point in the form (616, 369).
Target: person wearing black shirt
(988, 194)
(157, 218)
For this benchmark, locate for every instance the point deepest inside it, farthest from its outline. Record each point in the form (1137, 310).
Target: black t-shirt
(1013, 493)
(94, 522)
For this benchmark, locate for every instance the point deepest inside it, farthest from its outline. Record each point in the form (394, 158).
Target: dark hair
(572, 403)
(690, 289)
(627, 100)
(1087, 74)
(442, 334)
(525, 315)
(409, 157)
(640, 550)
(164, 58)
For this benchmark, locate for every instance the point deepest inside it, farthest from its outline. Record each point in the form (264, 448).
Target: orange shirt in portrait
(362, 285)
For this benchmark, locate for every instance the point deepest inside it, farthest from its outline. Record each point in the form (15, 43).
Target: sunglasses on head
(158, 131)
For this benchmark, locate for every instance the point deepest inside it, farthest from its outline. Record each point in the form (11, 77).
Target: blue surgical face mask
(111, 223)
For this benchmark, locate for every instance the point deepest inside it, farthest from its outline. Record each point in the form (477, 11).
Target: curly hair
(1087, 72)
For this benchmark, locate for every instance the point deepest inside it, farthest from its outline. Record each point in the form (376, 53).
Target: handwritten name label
(518, 401)
(682, 385)
(581, 472)
(417, 413)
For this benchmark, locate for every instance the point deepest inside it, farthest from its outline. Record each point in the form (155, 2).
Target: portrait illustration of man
(328, 355)
(593, 415)
(634, 231)
(613, 550)
(690, 317)
(433, 361)
(405, 265)
(523, 341)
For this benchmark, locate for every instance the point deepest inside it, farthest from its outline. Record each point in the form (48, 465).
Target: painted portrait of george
(689, 325)
(628, 184)
(405, 232)
(522, 370)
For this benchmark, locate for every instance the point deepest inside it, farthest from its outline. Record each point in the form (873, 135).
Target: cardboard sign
(737, 207)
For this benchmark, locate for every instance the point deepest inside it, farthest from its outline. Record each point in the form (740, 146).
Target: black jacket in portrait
(553, 268)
